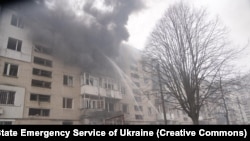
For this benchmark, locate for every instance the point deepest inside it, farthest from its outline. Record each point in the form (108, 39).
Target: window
(14, 44)
(125, 108)
(123, 90)
(68, 80)
(5, 122)
(39, 83)
(109, 106)
(10, 69)
(7, 97)
(93, 104)
(138, 108)
(140, 117)
(67, 103)
(16, 21)
(137, 99)
(39, 97)
(41, 49)
(39, 112)
(42, 72)
(42, 61)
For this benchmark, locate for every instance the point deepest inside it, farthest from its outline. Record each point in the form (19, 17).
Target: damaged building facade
(38, 88)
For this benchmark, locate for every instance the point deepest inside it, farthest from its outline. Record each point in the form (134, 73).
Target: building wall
(25, 61)
(7, 30)
(15, 110)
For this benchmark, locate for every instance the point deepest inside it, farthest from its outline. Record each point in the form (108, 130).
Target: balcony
(97, 91)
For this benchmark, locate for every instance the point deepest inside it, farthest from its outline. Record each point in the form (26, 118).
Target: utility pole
(162, 98)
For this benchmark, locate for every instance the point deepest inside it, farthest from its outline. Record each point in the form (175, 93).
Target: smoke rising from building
(82, 32)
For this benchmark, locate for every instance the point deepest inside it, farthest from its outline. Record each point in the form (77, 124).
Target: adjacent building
(37, 87)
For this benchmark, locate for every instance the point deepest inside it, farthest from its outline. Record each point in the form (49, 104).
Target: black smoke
(84, 39)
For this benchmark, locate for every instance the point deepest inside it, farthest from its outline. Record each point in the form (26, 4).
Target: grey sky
(235, 14)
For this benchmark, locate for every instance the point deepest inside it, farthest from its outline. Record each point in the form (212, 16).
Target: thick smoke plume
(82, 32)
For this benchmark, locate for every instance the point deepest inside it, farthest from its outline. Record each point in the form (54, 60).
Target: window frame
(41, 72)
(14, 44)
(8, 69)
(42, 112)
(38, 97)
(9, 98)
(68, 80)
(44, 83)
(67, 104)
(42, 61)
(16, 21)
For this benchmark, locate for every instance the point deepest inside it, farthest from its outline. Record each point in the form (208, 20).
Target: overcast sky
(235, 14)
(104, 24)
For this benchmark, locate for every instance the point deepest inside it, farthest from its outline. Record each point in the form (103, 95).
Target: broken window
(41, 61)
(39, 83)
(14, 44)
(42, 49)
(10, 69)
(39, 97)
(67, 103)
(39, 112)
(68, 80)
(7, 97)
(16, 21)
(42, 72)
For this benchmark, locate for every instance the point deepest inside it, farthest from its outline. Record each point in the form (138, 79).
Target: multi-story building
(38, 88)
(35, 87)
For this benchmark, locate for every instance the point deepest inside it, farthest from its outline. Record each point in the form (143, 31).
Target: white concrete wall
(16, 110)
(6, 31)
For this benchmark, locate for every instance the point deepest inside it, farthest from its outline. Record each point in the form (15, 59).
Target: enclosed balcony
(100, 86)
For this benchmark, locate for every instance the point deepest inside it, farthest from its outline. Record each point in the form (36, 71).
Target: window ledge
(10, 76)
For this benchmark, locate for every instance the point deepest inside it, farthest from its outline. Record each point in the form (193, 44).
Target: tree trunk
(195, 119)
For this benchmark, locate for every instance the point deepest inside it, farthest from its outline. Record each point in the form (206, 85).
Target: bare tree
(190, 48)
(228, 100)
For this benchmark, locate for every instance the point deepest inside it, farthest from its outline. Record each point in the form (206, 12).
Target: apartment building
(38, 88)
(35, 87)
(120, 99)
